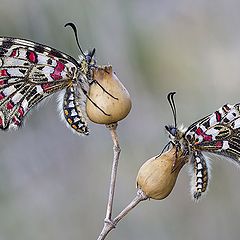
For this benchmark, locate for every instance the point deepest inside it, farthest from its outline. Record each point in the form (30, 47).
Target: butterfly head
(87, 63)
(89, 57)
(172, 131)
(175, 134)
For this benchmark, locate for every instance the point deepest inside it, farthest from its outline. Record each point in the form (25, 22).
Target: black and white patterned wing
(220, 133)
(29, 72)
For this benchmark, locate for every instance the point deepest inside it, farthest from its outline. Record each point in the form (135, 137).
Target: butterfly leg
(96, 82)
(200, 176)
(85, 91)
(180, 157)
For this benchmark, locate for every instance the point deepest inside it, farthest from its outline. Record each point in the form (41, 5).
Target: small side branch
(108, 226)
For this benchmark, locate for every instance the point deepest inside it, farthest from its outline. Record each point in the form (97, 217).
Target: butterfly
(217, 134)
(30, 72)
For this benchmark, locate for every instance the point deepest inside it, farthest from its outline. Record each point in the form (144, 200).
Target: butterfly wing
(208, 121)
(220, 133)
(29, 72)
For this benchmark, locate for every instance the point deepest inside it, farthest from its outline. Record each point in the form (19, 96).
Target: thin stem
(116, 154)
(139, 197)
(108, 226)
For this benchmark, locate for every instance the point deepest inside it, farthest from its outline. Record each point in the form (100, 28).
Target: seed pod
(109, 95)
(156, 178)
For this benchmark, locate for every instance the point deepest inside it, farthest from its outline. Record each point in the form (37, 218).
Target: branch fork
(110, 223)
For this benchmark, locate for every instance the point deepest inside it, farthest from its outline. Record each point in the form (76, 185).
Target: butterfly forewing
(29, 72)
(195, 129)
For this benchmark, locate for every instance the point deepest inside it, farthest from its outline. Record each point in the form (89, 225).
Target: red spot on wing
(218, 116)
(32, 56)
(21, 111)
(2, 82)
(2, 96)
(199, 131)
(45, 86)
(16, 121)
(219, 144)
(1, 121)
(4, 73)
(14, 53)
(206, 137)
(9, 105)
(56, 75)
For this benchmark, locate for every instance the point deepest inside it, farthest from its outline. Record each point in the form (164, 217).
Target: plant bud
(157, 177)
(109, 95)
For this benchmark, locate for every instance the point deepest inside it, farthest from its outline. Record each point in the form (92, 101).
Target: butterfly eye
(88, 58)
(174, 131)
(171, 130)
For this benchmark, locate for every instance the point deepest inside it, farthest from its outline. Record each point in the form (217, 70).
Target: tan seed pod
(111, 97)
(156, 178)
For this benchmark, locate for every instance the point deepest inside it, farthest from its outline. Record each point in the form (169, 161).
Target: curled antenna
(173, 107)
(72, 25)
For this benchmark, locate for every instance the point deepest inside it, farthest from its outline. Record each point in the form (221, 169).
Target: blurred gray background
(54, 184)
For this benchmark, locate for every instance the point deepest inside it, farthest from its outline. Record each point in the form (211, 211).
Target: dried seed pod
(109, 95)
(156, 178)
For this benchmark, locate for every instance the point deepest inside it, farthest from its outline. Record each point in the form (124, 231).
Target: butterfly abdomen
(72, 113)
(200, 175)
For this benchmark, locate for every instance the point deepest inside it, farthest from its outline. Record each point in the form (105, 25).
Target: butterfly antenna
(175, 110)
(72, 25)
(93, 52)
(173, 106)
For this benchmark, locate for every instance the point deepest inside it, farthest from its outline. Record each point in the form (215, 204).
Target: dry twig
(110, 223)
(108, 226)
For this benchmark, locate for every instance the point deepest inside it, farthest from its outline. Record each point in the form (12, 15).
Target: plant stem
(108, 226)
(116, 154)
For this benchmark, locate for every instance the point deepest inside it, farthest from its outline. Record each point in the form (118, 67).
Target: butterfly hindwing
(233, 147)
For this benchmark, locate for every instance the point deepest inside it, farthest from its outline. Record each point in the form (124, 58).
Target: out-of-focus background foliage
(54, 184)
